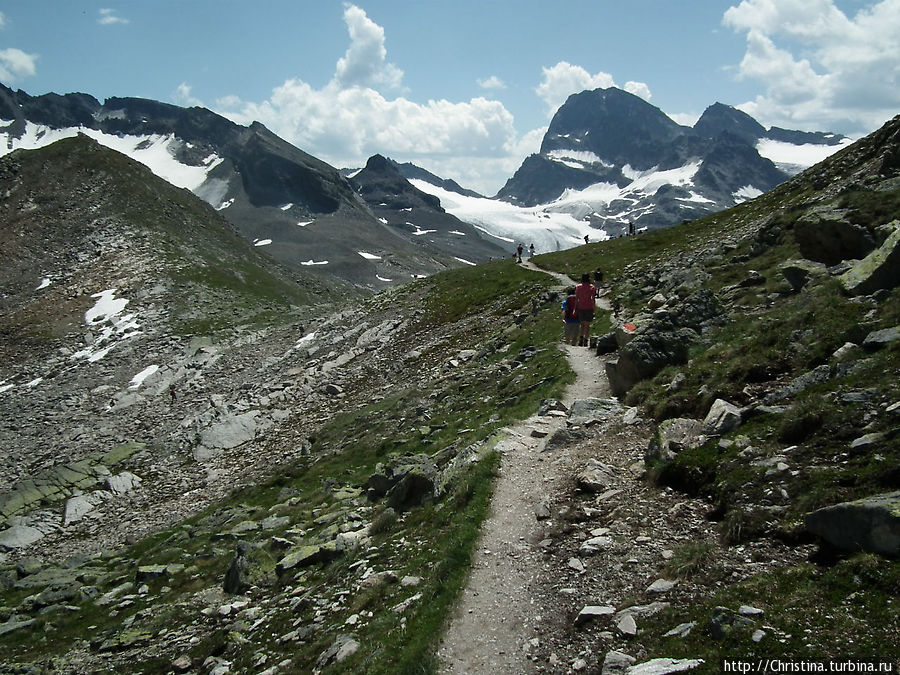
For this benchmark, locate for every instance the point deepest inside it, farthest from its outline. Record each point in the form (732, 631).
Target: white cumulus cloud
(183, 96)
(365, 62)
(16, 65)
(638, 89)
(363, 110)
(564, 79)
(492, 82)
(108, 17)
(819, 67)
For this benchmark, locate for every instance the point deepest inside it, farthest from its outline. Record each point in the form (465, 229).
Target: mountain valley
(220, 459)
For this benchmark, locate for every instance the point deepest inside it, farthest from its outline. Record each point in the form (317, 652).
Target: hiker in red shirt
(584, 303)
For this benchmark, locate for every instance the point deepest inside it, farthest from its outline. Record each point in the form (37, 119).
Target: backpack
(569, 306)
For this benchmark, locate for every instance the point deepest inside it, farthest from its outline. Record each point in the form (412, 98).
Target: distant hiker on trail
(531, 251)
(598, 280)
(571, 322)
(519, 253)
(584, 294)
(586, 238)
(172, 393)
(630, 228)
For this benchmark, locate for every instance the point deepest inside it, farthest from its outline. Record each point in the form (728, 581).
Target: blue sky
(463, 88)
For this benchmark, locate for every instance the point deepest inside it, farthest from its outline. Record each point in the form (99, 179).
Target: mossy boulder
(871, 524)
(878, 270)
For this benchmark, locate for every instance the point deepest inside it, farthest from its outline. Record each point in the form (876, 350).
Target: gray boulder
(649, 352)
(881, 338)
(798, 273)
(871, 524)
(19, 536)
(406, 481)
(674, 435)
(878, 270)
(589, 410)
(230, 432)
(722, 418)
(826, 236)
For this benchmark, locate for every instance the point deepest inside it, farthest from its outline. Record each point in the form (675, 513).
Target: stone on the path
(596, 477)
(542, 509)
(591, 410)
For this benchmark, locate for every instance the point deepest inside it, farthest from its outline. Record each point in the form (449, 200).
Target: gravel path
(499, 619)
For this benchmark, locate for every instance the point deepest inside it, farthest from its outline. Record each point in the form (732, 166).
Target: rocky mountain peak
(615, 125)
(719, 118)
(381, 184)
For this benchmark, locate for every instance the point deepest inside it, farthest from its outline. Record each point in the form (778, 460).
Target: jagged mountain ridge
(302, 209)
(610, 157)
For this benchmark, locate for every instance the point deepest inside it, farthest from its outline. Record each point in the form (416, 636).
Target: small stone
(616, 662)
(591, 612)
(661, 586)
(747, 610)
(681, 630)
(182, 663)
(627, 625)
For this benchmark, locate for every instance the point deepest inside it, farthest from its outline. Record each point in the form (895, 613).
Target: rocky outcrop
(879, 270)
(649, 352)
(825, 235)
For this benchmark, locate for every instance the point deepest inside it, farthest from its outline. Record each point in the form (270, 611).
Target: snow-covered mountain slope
(612, 159)
(793, 158)
(548, 229)
(157, 152)
(299, 208)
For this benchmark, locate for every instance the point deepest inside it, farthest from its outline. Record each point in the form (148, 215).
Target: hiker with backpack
(585, 292)
(571, 322)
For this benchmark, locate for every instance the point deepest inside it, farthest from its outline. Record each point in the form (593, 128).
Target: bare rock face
(871, 524)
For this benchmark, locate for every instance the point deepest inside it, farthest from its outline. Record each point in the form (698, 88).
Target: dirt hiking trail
(499, 618)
